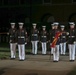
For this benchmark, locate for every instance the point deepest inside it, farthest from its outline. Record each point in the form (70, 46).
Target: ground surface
(37, 65)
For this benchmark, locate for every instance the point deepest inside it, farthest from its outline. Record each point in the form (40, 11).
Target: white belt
(21, 37)
(43, 36)
(53, 37)
(11, 36)
(63, 37)
(72, 36)
(34, 34)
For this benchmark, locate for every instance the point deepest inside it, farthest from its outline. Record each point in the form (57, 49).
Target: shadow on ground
(73, 72)
(2, 71)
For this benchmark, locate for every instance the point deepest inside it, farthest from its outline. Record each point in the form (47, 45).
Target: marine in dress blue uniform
(52, 35)
(34, 39)
(63, 40)
(44, 39)
(71, 41)
(12, 34)
(56, 49)
(21, 40)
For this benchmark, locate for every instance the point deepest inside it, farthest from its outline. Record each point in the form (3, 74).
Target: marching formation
(57, 38)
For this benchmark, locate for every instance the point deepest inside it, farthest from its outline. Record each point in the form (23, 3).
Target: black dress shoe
(21, 60)
(55, 61)
(43, 54)
(12, 58)
(71, 60)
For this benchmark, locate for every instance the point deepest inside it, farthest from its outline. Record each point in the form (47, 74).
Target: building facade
(40, 11)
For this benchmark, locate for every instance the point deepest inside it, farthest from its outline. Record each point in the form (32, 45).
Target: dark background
(42, 12)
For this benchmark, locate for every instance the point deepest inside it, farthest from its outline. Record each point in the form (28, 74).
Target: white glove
(10, 41)
(25, 43)
(16, 43)
(37, 41)
(67, 33)
(7, 33)
(74, 42)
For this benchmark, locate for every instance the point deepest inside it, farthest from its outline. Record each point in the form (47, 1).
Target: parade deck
(37, 65)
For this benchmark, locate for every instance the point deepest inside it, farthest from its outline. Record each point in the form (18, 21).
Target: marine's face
(20, 26)
(12, 26)
(34, 27)
(62, 29)
(44, 28)
(53, 27)
(71, 26)
(56, 26)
